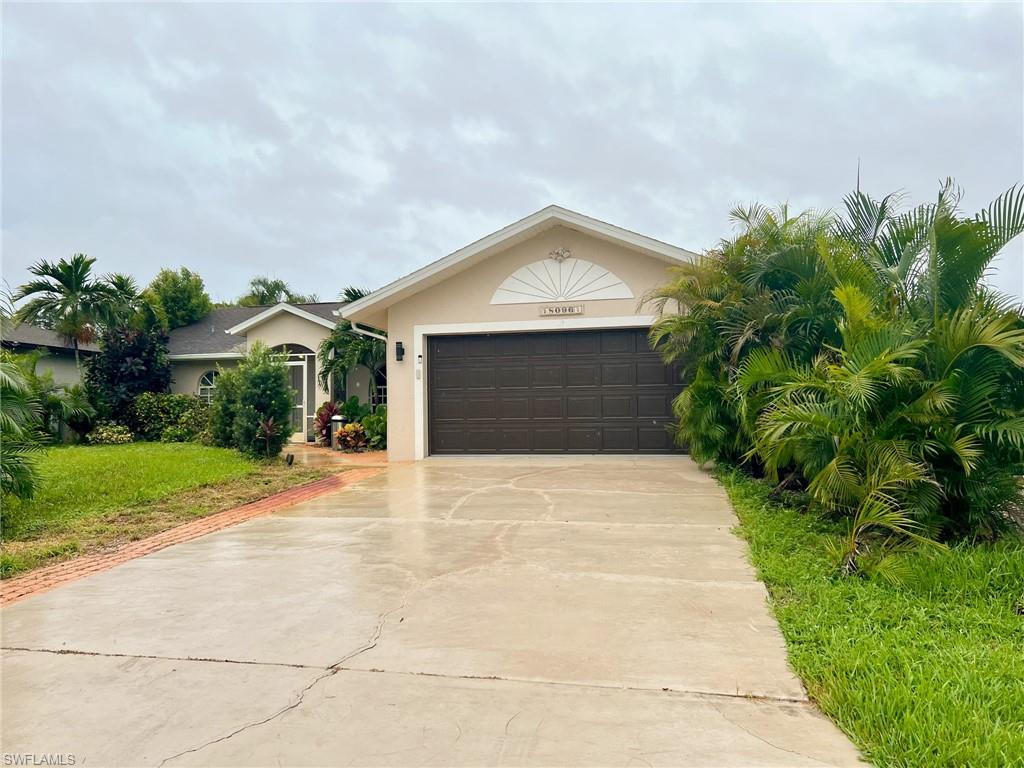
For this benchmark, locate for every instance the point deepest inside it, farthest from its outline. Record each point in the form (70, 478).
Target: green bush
(861, 359)
(110, 434)
(353, 410)
(376, 426)
(169, 418)
(130, 362)
(252, 405)
(224, 408)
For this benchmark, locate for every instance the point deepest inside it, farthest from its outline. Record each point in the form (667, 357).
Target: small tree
(180, 297)
(265, 290)
(130, 362)
(252, 404)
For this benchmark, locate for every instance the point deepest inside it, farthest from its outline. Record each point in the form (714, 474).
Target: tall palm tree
(66, 298)
(345, 349)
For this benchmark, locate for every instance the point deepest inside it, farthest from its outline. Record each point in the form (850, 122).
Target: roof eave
(272, 312)
(552, 215)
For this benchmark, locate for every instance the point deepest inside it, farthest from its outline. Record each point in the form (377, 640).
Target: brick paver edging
(51, 576)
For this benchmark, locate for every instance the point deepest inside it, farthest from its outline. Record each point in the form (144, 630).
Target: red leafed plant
(322, 423)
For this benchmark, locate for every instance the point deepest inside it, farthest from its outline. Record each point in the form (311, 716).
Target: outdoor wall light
(399, 351)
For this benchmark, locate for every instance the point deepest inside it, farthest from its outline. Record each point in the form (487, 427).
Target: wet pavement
(527, 611)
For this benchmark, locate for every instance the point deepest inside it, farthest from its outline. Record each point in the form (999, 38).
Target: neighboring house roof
(215, 336)
(473, 253)
(26, 335)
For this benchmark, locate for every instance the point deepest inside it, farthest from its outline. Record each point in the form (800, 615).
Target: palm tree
(345, 349)
(66, 299)
(265, 290)
(19, 430)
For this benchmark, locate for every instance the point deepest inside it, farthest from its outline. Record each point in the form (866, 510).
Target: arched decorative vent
(560, 277)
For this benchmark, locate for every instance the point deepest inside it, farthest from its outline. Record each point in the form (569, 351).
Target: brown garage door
(567, 392)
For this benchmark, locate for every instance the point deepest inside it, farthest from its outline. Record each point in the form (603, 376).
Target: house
(59, 357)
(218, 341)
(530, 340)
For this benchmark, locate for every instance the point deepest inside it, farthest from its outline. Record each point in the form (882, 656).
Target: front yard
(930, 673)
(94, 497)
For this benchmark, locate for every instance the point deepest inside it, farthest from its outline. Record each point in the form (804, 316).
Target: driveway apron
(520, 611)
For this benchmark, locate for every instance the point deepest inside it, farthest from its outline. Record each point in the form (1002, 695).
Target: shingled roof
(209, 336)
(25, 335)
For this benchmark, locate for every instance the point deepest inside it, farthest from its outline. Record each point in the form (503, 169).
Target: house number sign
(562, 309)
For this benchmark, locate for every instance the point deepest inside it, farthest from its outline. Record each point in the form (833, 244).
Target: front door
(297, 381)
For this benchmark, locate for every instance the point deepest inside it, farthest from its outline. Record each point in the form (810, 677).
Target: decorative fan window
(207, 385)
(560, 277)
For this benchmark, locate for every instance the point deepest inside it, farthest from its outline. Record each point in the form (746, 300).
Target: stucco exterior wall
(358, 383)
(289, 329)
(186, 374)
(61, 366)
(466, 296)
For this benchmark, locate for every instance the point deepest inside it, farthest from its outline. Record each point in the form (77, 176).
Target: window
(207, 385)
(379, 394)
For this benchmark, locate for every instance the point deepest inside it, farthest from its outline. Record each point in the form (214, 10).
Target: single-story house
(530, 340)
(221, 338)
(59, 360)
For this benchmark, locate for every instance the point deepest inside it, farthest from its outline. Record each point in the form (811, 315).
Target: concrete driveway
(545, 611)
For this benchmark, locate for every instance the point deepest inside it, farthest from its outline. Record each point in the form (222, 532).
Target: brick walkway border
(45, 579)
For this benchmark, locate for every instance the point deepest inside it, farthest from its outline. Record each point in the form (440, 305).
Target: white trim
(420, 332)
(207, 356)
(367, 332)
(275, 310)
(551, 215)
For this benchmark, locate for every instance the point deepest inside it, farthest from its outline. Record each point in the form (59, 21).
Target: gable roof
(28, 335)
(545, 218)
(212, 338)
(299, 310)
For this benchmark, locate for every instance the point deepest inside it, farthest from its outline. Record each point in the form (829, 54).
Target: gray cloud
(338, 144)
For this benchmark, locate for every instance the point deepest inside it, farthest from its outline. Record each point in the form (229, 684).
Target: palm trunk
(78, 362)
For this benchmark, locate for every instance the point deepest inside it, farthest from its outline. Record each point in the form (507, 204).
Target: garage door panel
(652, 373)
(654, 405)
(480, 378)
(618, 406)
(582, 375)
(546, 375)
(480, 407)
(619, 438)
(588, 344)
(546, 344)
(549, 439)
(584, 439)
(513, 376)
(513, 408)
(618, 374)
(557, 392)
(583, 407)
(547, 407)
(618, 342)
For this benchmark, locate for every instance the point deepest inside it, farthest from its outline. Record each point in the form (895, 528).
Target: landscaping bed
(929, 673)
(94, 497)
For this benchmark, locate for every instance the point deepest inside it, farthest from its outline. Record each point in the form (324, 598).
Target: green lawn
(927, 674)
(91, 497)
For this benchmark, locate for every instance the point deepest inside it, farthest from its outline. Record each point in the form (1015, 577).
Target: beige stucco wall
(286, 328)
(186, 374)
(466, 297)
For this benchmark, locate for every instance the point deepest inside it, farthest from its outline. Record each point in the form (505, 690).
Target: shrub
(322, 424)
(376, 426)
(130, 362)
(110, 434)
(169, 418)
(863, 360)
(352, 437)
(353, 410)
(252, 405)
(224, 408)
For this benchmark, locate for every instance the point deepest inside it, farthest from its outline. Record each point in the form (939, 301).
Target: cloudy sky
(350, 144)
